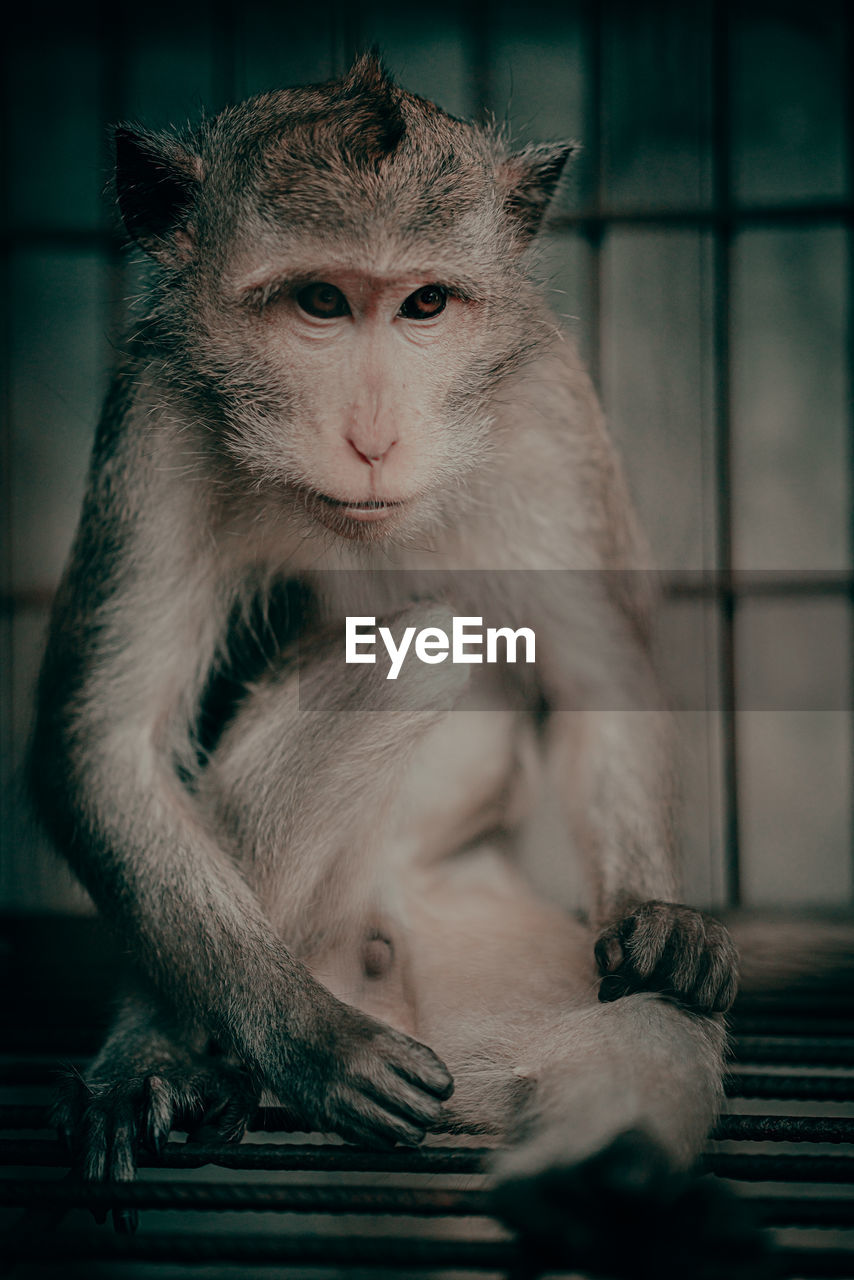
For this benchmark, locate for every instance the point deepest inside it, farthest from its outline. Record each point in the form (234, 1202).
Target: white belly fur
(473, 958)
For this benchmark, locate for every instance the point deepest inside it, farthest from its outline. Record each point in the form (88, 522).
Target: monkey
(349, 394)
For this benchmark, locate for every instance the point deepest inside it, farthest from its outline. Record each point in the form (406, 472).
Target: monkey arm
(611, 746)
(135, 629)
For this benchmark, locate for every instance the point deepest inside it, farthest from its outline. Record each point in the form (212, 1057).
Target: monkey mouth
(367, 510)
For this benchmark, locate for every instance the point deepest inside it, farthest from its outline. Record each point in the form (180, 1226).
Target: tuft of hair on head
(368, 73)
(375, 123)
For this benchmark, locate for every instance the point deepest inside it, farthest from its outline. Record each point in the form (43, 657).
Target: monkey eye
(323, 300)
(425, 303)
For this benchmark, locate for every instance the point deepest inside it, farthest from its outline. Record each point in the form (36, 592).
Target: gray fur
(248, 882)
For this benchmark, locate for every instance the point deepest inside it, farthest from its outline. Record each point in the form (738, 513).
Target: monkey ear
(157, 180)
(530, 178)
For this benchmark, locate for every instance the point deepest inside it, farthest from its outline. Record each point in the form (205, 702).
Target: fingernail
(125, 1221)
(611, 988)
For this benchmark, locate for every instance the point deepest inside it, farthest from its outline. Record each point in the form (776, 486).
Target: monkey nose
(371, 454)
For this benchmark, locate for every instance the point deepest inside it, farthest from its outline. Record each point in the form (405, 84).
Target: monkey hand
(363, 1080)
(672, 949)
(107, 1117)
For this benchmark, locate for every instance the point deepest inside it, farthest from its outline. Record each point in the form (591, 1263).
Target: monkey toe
(670, 949)
(99, 1127)
(106, 1121)
(109, 1138)
(625, 1212)
(227, 1101)
(69, 1104)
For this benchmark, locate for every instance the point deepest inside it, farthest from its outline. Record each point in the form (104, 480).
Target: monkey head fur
(364, 405)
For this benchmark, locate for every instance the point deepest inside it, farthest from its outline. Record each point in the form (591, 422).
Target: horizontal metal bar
(24, 1116)
(743, 1128)
(584, 220)
(285, 1156)
(255, 1196)
(754, 1128)
(793, 1086)
(815, 1264)
(821, 1051)
(782, 1168)
(265, 1120)
(678, 586)
(773, 1021)
(264, 1250)
(37, 1073)
(404, 1252)
(422, 1202)
(803, 1211)
(83, 239)
(592, 221)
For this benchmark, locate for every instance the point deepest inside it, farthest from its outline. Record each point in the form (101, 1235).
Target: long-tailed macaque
(347, 380)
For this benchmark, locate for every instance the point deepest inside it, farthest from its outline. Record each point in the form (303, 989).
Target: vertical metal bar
(7, 608)
(480, 59)
(595, 227)
(721, 142)
(849, 219)
(224, 41)
(346, 35)
(112, 69)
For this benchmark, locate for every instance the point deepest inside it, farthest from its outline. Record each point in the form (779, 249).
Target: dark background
(702, 258)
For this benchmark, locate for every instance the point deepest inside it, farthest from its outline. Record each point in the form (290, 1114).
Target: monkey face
(378, 390)
(342, 289)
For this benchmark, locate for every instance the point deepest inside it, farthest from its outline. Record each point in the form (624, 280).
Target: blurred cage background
(701, 255)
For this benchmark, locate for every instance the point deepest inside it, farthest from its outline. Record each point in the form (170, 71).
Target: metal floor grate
(296, 1205)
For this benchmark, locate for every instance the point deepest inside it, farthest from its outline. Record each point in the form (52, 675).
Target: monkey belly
(461, 952)
(477, 966)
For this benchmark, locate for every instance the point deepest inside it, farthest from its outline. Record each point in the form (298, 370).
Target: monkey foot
(624, 1213)
(107, 1118)
(672, 949)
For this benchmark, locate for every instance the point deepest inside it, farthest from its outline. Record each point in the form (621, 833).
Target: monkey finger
(91, 1149)
(612, 987)
(377, 1124)
(125, 1221)
(421, 1067)
(393, 1092)
(644, 937)
(108, 1140)
(67, 1112)
(232, 1121)
(124, 1143)
(360, 1135)
(158, 1110)
(232, 1102)
(681, 967)
(609, 951)
(719, 987)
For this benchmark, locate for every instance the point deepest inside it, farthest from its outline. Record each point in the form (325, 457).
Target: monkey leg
(600, 1174)
(638, 1065)
(604, 1107)
(615, 772)
(150, 1076)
